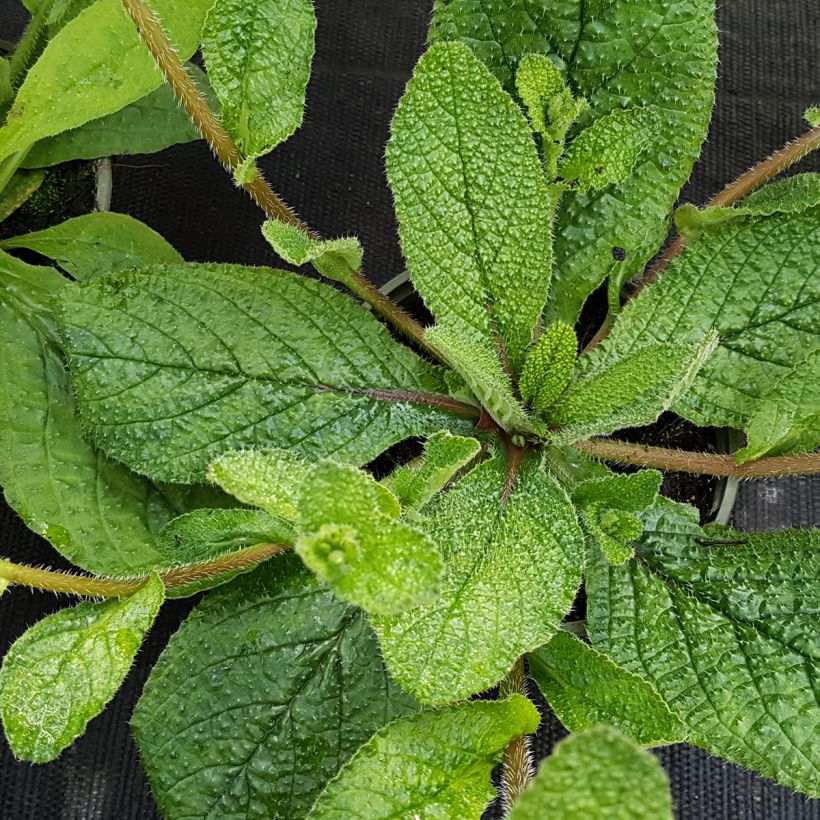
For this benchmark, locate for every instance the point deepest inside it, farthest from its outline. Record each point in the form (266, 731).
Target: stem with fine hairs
(517, 761)
(683, 461)
(72, 584)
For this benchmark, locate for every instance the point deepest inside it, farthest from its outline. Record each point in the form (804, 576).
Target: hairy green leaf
(812, 116)
(727, 634)
(585, 688)
(281, 683)
(597, 775)
(258, 55)
(175, 365)
(548, 367)
(513, 560)
(474, 211)
(6, 92)
(97, 243)
(96, 65)
(63, 671)
(434, 764)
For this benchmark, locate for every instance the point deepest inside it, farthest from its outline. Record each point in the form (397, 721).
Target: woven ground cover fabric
(332, 171)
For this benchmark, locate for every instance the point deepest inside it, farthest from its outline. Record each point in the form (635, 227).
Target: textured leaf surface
(62, 671)
(435, 764)
(597, 775)
(548, 367)
(619, 52)
(98, 243)
(354, 542)
(258, 55)
(585, 688)
(757, 283)
(281, 683)
(726, 633)
(511, 573)
(474, 215)
(96, 65)
(175, 365)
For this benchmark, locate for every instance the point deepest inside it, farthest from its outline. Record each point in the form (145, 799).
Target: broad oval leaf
(281, 684)
(434, 764)
(175, 365)
(63, 670)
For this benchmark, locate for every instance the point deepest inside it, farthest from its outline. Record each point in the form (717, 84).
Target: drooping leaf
(350, 536)
(95, 65)
(727, 634)
(18, 191)
(151, 123)
(258, 55)
(175, 365)
(585, 688)
(597, 775)
(614, 53)
(281, 683)
(474, 212)
(97, 243)
(606, 395)
(756, 282)
(513, 563)
(63, 671)
(548, 367)
(434, 764)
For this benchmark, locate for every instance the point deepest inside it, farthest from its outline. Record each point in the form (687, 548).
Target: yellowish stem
(517, 761)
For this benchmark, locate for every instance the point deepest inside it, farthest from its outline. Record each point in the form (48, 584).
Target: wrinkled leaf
(548, 367)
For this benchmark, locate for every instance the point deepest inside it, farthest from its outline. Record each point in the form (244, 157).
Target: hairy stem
(642, 455)
(517, 761)
(29, 44)
(72, 584)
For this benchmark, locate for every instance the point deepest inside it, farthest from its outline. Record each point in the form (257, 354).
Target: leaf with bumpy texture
(435, 764)
(597, 775)
(96, 65)
(97, 243)
(512, 568)
(756, 282)
(472, 203)
(258, 55)
(175, 365)
(548, 367)
(281, 684)
(726, 633)
(585, 688)
(659, 53)
(63, 671)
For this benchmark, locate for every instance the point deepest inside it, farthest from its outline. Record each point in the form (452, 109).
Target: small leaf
(434, 764)
(63, 671)
(350, 537)
(812, 116)
(585, 688)
(597, 775)
(98, 243)
(281, 683)
(258, 55)
(548, 367)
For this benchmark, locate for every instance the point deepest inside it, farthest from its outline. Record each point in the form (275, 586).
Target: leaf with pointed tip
(281, 683)
(726, 633)
(548, 367)
(175, 365)
(597, 775)
(474, 211)
(585, 688)
(63, 670)
(98, 243)
(434, 764)
(513, 560)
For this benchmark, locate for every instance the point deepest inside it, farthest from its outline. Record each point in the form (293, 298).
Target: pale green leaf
(812, 116)
(614, 53)
(19, 190)
(756, 282)
(95, 65)
(175, 365)
(63, 671)
(435, 764)
(97, 243)
(513, 564)
(350, 536)
(585, 688)
(548, 367)
(6, 92)
(726, 632)
(258, 55)
(597, 775)
(474, 211)
(281, 683)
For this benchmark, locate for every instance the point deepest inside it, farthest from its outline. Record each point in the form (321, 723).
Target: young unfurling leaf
(548, 367)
